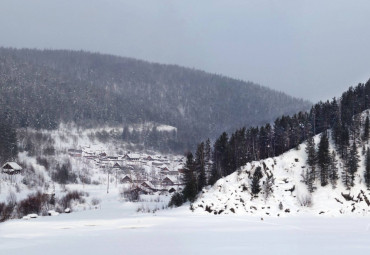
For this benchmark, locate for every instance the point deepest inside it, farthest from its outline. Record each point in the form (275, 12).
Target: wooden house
(148, 185)
(167, 181)
(11, 168)
(126, 179)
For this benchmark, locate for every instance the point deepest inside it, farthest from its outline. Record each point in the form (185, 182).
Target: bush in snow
(95, 201)
(6, 211)
(177, 200)
(66, 201)
(34, 204)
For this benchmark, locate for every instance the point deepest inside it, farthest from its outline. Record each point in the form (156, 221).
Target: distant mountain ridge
(41, 88)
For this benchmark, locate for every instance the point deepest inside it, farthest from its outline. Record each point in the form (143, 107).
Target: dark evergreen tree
(323, 158)
(190, 190)
(268, 186)
(366, 129)
(200, 167)
(311, 155)
(257, 175)
(367, 169)
(333, 170)
(208, 159)
(125, 134)
(219, 158)
(353, 163)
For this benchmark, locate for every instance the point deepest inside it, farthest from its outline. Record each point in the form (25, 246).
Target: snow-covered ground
(328, 224)
(116, 228)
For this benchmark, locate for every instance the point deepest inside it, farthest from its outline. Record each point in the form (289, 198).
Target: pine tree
(208, 159)
(200, 167)
(352, 164)
(323, 158)
(311, 153)
(367, 169)
(333, 170)
(310, 174)
(125, 134)
(190, 190)
(257, 175)
(219, 158)
(267, 186)
(366, 129)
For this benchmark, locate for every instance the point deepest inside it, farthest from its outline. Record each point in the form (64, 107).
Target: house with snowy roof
(132, 157)
(148, 185)
(11, 168)
(168, 181)
(116, 165)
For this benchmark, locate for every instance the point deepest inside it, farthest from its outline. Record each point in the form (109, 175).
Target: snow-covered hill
(290, 195)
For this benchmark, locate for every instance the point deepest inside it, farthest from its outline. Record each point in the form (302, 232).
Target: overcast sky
(310, 49)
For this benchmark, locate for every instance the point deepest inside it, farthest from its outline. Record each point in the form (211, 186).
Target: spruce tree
(323, 158)
(333, 170)
(190, 190)
(352, 164)
(267, 186)
(208, 159)
(200, 167)
(366, 129)
(219, 158)
(310, 174)
(367, 169)
(257, 175)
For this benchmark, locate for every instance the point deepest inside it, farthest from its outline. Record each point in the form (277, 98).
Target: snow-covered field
(116, 228)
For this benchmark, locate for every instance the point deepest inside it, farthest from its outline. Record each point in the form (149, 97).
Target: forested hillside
(344, 128)
(40, 89)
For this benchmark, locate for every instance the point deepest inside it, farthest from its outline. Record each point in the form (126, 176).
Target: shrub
(177, 200)
(65, 201)
(6, 211)
(95, 201)
(131, 195)
(34, 203)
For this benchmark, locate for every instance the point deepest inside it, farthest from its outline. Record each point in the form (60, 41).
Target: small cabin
(148, 158)
(116, 166)
(11, 168)
(126, 179)
(132, 157)
(148, 185)
(167, 182)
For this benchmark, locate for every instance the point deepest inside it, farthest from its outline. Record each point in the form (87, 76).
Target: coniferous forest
(42, 88)
(338, 120)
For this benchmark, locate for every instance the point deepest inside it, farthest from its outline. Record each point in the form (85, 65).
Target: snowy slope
(232, 194)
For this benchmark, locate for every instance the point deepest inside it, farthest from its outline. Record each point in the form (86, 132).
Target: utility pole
(108, 181)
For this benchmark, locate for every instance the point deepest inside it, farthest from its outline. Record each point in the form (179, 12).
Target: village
(139, 172)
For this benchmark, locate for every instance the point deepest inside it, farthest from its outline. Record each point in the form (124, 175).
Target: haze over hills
(41, 89)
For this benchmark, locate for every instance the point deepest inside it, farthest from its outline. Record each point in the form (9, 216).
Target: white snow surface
(116, 228)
